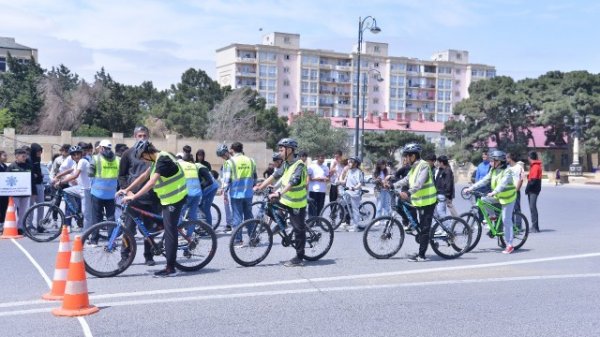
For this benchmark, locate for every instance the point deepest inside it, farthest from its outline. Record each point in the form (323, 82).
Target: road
(548, 288)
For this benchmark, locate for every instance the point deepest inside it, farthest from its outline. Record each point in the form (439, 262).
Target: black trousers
(131, 226)
(3, 207)
(297, 219)
(425, 219)
(319, 198)
(333, 193)
(99, 208)
(171, 214)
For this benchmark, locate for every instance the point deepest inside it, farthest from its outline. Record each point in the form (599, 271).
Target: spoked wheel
(334, 213)
(257, 209)
(450, 237)
(196, 245)
(256, 242)
(464, 194)
(383, 237)
(43, 222)
(520, 231)
(367, 212)
(108, 249)
(319, 238)
(215, 213)
(473, 221)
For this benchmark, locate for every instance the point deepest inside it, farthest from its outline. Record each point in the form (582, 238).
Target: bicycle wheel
(257, 240)
(383, 237)
(450, 237)
(319, 238)
(43, 222)
(196, 245)
(215, 213)
(257, 208)
(335, 213)
(367, 212)
(473, 221)
(112, 253)
(520, 231)
(464, 194)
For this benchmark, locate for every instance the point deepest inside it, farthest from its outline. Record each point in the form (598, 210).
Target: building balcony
(343, 68)
(246, 59)
(325, 66)
(245, 74)
(326, 104)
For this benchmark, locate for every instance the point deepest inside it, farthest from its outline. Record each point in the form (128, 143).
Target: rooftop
(9, 43)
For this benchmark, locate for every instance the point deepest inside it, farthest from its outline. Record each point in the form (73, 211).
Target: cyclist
(503, 191)
(82, 190)
(167, 179)
(194, 189)
(421, 193)
(292, 194)
(223, 152)
(353, 180)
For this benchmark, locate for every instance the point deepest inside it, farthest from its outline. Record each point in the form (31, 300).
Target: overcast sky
(138, 40)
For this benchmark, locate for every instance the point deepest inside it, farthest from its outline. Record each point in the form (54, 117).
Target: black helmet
(75, 149)
(288, 142)
(498, 155)
(276, 156)
(140, 147)
(411, 148)
(356, 159)
(222, 149)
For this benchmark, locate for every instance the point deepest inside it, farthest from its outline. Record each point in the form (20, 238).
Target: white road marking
(317, 290)
(84, 325)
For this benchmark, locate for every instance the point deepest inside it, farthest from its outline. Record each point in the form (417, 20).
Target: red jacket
(535, 170)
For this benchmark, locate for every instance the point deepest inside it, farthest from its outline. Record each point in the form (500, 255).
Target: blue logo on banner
(11, 181)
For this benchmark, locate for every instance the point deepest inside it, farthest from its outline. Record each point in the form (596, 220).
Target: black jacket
(36, 169)
(129, 169)
(444, 182)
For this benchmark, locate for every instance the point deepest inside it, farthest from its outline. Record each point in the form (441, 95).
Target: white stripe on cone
(76, 257)
(76, 287)
(60, 274)
(64, 247)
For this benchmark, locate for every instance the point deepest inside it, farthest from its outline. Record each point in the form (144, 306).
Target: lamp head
(375, 29)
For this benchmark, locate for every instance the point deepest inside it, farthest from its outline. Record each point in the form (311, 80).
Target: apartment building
(295, 80)
(20, 52)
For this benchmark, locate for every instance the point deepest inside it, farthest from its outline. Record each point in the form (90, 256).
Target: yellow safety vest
(427, 195)
(104, 184)
(173, 189)
(296, 197)
(191, 177)
(509, 194)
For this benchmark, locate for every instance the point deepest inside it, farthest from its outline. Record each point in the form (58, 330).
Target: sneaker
(150, 262)
(41, 229)
(509, 249)
(238, 244)
(294, 262)
(20, 231)
(360, 228)
(343, 227)
(417, 258)
(228, 229)
(167, 272)
(352, 229)
(187, 254)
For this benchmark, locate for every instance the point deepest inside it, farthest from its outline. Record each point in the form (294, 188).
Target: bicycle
(339, 211)
(257, 206)
(216, 215)
(257, 235)
(450, 237)
(115, 250)
(51, 218)
(495, 226)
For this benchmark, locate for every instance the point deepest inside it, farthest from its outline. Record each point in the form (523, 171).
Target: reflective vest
(104, 184)
(242, 177)
(191, 178)
(172, 189)
(427, 195)
(296, 197)
(509, 194)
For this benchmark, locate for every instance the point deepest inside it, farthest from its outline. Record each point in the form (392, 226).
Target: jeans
(36, 199)
(192, 206)
(441, 207)
(355, 206)
(384, 203)
(228, 211)
(319, 198)
(21, 205)
(208, 196)
(534, 212)
(242, 211)
(518, 208)
(507, 212)
(86, 203)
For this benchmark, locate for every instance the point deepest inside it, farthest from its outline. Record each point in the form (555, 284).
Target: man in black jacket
(444, 183)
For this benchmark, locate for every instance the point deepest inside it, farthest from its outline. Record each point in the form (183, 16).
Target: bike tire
(51, 221)
(450, 237)
(216, 216)
(476, 228)
(367, 211)
(196, 250)
(256, 208)
(464, 194)
(519, 235)
(319, 238)
(106, 258)
(258, 241)
(335, 213)
(385, 232)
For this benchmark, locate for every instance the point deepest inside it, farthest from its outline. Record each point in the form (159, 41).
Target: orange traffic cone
(62, 268)
(76, 301)
(10, 222)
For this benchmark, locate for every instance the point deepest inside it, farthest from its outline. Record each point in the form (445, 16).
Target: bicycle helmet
(288, 142)
(222, 149)
(276, 156)
(498, 155)
(356, 159)
(411, 148)
(140, 147)
(75, 149)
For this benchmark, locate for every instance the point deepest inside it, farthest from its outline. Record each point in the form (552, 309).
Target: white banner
(15, 184)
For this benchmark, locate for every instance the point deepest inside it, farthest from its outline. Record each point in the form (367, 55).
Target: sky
(151, 40)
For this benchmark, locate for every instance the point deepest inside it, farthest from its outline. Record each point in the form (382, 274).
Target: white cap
(179, 155)
(105, 143)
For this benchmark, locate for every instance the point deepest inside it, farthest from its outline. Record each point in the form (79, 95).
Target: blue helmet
(222, 149)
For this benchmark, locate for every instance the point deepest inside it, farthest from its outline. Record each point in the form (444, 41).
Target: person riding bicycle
(353, 182)
(503, 191)
(421, 193)
(292, 194)
(167, 179)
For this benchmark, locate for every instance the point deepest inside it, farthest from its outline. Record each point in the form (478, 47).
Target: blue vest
(242, 177)
(191, 178)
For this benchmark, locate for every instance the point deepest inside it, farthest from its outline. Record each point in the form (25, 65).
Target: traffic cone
(76, 301)
(10, 222)
(62, 268)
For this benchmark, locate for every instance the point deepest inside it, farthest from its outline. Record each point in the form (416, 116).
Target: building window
(376, 64)
(287, 57)
(457, 71)
(286, 40)
(459, 56)
(376, 49)
(457, 82)
(286, 109)
(286, 83)
(286, 70)
(375, 88)
(457, 94)
(286, 96)
(375, 100)
(2, 64)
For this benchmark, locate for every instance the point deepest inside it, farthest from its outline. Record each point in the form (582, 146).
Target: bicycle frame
(493, 226)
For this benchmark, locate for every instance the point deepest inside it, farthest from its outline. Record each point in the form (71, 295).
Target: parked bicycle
(272, 218)
(341, 211)
(450, 237)
(494, 224)
(110, 248)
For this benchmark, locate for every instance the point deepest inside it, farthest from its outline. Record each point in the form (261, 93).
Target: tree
(384, 145)
(235, 117)
(316, 136)
(272, 126)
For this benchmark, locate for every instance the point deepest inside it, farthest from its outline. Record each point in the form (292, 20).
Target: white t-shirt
(338, 172)
(317, 171)
(518, 173)
(355, 176)
(83, 180)
(67, 163)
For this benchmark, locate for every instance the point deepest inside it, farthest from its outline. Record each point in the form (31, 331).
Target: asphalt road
(548, 288)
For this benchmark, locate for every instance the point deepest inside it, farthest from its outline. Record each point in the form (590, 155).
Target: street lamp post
(576, 131)
(364, 108)
(367, 23)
